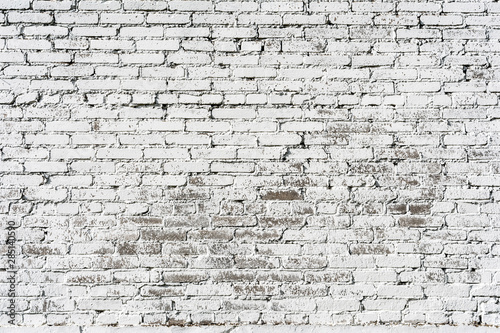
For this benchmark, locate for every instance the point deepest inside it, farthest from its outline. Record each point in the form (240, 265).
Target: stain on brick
(281, 195)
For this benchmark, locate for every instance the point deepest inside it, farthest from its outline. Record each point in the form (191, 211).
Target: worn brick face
(256, 162)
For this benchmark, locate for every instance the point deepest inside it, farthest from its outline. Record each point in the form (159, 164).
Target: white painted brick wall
(255, 162)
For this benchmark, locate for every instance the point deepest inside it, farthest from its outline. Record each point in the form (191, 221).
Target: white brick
(168, 18)
(21, 4)
(190, 5)
(157, 45)
(144, 5)
(93, 32)
(281, 6)
(78, 18)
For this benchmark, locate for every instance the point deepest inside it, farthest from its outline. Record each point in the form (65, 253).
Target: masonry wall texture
(255, 162)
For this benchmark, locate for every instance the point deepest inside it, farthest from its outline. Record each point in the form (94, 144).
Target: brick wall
(256, 162)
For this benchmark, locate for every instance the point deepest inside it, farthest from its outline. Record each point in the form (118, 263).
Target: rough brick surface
(256, 162)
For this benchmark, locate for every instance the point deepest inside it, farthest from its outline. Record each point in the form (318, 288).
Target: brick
(111, 18)
(168, 18)
(94, 31)
(164, 180)
(16, 17)
(21, 4)
(281, 6)
(236, 6)
(157, 45)
(45, 167)
(28, 44)
(141, 31)
(190, 6)
(441, 20)
(187, 32)
(118, 153)
(69, 71)
(144, 5)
